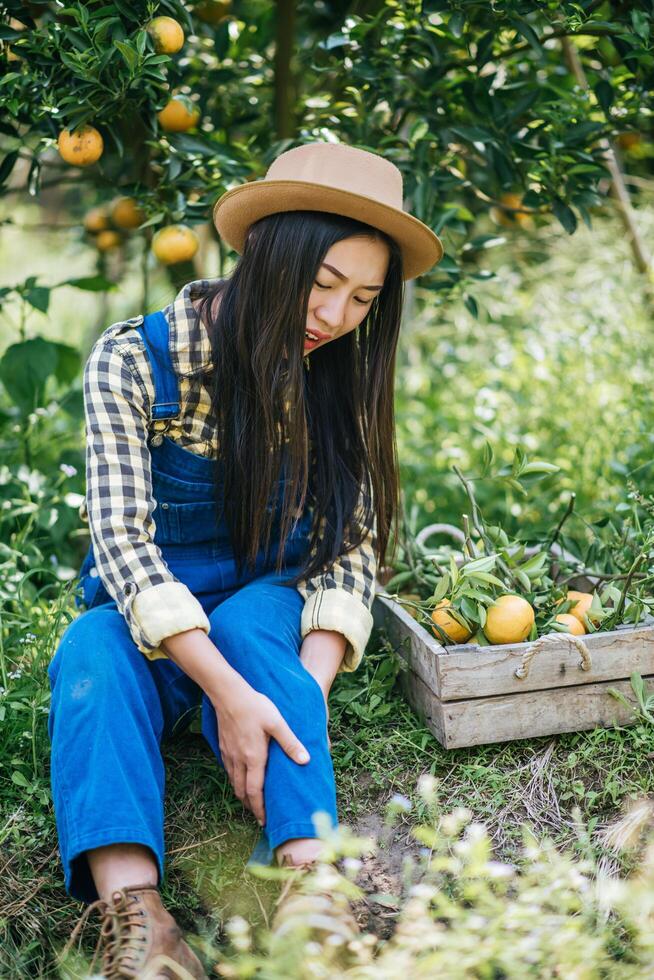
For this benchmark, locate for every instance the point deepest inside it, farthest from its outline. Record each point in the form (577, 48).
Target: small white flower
(400, 802)
(68, 470)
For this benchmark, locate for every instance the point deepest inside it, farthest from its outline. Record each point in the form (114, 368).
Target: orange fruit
(106, 240)
(509, 620)
(511, 218)
(175, 243)
(627, 141)
(125, 213)
(412, 611)
(81, 148)
(176, 118)
(573, 624)
(450, 626)
(581, 606)
(213, 11)
(96, 220)
(167, 35)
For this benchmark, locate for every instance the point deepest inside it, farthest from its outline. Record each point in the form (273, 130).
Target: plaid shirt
(118, 392)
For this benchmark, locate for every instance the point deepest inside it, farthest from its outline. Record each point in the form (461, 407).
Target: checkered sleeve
(120, 502)
(341, 599)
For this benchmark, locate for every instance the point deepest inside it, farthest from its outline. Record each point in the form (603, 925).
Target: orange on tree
(581, 606)
(95, 220)
(627, 141)
(175, 243)
(572, 624)
(106, 240)
(176, 118)
(82, 147)
(167, 35)
(125, 213)
(452, 628)
(212, 11)
(509, 620)
(511, 218)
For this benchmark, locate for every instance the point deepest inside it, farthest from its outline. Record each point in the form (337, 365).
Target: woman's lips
(310, 344)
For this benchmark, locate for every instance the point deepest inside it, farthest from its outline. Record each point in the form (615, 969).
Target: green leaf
(471, 305)
(129, 54)
(38, 297)
(518, 487)
(487, 457)
(141, 41)
(9, 34)
(596, 604)
(539, 466)
(454, 572)
(534, 566)
(528, 33)
(605, 94)
(519, 461)
(479, 565)
(7, 165)
(68, 363)
(24, 370)
(565, 215)
(488, 579)
(19, 779)
(442, 588)
(401, 579)
(456, 23)
(92, 284)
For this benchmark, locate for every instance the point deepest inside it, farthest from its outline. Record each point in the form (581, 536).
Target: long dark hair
(324, 422)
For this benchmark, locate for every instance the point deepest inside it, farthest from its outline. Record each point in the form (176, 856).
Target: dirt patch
(385, 875)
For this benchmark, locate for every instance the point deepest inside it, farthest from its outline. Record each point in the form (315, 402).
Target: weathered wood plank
(470, 671)
(484, 671)
(483, 721)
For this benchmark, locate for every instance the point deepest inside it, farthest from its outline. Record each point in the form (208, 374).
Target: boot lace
(123, 933)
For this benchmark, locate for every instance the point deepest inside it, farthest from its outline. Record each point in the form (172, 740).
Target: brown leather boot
(141, 939)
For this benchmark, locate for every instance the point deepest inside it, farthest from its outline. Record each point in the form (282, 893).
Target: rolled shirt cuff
(338, 610)
(161, 611)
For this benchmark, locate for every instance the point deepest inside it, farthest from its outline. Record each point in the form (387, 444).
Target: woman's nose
(331, 314)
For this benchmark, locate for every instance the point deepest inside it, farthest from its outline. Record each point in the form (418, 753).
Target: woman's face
(351, 275)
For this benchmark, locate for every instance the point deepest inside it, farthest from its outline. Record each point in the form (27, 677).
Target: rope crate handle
(585, 663)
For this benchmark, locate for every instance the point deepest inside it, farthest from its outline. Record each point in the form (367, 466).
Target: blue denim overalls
(111, 706)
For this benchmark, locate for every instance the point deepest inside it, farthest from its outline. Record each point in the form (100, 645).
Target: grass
(566, 788)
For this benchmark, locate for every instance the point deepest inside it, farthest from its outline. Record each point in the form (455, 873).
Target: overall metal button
(157, 440)
(164, 506)
(93, 572)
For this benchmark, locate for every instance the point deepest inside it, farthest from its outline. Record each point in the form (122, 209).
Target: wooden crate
(470, 695)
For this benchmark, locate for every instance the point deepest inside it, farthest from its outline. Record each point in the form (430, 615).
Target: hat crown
(343, 167)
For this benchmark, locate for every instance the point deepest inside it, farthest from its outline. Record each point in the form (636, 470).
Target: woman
(236, 442)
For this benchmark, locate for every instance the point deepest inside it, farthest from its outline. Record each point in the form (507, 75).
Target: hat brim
(239, 207)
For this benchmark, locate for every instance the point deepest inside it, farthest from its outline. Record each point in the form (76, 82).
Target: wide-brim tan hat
(339, 179)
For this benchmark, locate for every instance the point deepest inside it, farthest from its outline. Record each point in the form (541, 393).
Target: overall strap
(154, 331)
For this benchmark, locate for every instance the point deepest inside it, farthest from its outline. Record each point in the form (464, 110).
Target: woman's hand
(247, 721)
